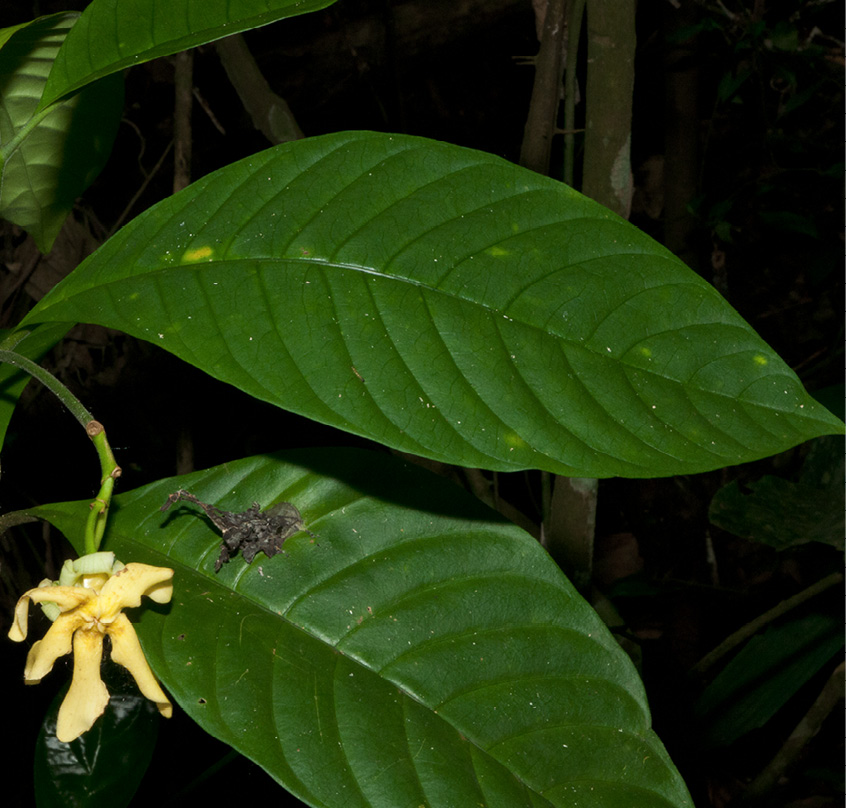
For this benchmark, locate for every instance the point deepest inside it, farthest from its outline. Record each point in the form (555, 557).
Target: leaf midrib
(41, 314)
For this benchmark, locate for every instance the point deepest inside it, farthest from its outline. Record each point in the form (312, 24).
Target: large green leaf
(419, 652)
(47, 159)
(114, 34)
(447, 303)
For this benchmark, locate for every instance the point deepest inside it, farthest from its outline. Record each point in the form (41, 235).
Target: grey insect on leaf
(252, 531)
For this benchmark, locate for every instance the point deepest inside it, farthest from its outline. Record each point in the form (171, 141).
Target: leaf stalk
(95, 525)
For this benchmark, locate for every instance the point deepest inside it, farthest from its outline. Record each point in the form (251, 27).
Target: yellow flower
(83, 612)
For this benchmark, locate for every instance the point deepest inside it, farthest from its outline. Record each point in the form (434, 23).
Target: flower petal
(65, 597)
(87, 697)
(126, 651)
(125, 588)
(56, 643)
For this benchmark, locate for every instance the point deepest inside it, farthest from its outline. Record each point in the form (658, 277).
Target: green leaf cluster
(437, 301)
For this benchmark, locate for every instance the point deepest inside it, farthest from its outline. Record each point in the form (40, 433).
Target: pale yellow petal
(65, 597)
(32, 659)
(56, 643)
(87, 697)
(161, 592)
(127, 651)
(125, 588)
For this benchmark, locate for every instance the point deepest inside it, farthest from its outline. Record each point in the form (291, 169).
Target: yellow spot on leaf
(513, 440)
(758, 359)
(198, 254)
(497, 252)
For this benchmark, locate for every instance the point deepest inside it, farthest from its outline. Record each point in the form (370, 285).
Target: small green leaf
(32, 344)
(446, 303)
(763, 677)
(420, 651)
(785, 36)
(114, 34)
(783, 513)
(731, 83)
(47, 159)
(105, 765)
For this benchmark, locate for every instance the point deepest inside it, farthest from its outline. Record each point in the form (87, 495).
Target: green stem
(51, 383)
(95, 525)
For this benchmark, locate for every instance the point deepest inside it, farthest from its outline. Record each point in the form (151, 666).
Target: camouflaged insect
(253, 531)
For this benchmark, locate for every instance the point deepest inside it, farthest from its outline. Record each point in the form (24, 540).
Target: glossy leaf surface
(48, 159)
(419, 652)
(447, 303)
(105, 765)
(115, 34)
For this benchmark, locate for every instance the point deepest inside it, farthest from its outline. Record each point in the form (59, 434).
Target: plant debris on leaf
(253, 531)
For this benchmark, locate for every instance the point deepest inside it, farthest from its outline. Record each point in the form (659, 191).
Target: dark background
(766, 229)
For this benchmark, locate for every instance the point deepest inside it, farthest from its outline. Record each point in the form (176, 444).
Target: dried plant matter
(253, 531)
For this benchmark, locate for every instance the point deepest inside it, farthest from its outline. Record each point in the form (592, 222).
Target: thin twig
(546, 91)
(143, 187)
(183, 81)
(830, 696)
(208, 110)
(758, 623)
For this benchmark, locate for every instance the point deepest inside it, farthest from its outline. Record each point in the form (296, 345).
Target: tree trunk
(607, 178)
(681, 150)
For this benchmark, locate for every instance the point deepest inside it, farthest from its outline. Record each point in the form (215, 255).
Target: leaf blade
(449, 304)
(107, 763)
(115, 34)
(49, 158)
(412, 654)
(765, 675)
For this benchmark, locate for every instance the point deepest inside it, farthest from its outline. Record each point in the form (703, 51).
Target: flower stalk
(95, 526)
